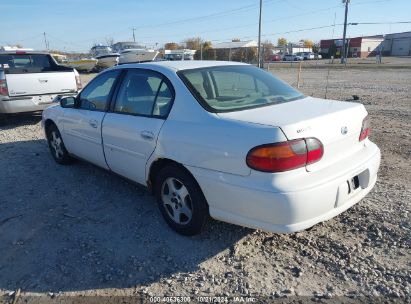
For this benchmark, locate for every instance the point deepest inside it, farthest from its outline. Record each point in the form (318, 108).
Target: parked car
(308, 56)
(29, 81)
(318, 56)
(291, 57)
(275, 57)
(223, 139)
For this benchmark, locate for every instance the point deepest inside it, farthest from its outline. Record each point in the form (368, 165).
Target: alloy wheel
(56, 144)
(177, 201)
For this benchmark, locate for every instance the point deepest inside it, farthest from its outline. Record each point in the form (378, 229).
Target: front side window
(144, 93)
(96, 94)
(233, 88)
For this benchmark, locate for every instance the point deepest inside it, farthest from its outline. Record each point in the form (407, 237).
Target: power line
(282, 33)
(306, 29)
(251, 24)
(203, 17)
(213, 15)
(367, 23)
(223, 14)
(263, 35)
(181, 21)
(266, 21)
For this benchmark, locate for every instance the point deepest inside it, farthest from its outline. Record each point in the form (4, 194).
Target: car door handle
(93, 123)
(147, 135)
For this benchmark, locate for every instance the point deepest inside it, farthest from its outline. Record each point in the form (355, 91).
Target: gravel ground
(79, 230)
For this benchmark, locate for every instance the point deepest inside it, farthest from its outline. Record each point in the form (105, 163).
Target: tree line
(205, 49)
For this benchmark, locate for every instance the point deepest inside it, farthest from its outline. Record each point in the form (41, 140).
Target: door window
(96, 94)
(144, 93)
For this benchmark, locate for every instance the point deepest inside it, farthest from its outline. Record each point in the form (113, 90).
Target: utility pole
(45, 41)
(344, 55)
(259, 36)
(200, 45)
(134, 36)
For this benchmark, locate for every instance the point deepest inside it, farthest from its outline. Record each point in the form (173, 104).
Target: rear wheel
(56, 145)
(181, 200)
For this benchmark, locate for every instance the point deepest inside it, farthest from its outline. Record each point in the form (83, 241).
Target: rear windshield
(234, 88)
(28, 63)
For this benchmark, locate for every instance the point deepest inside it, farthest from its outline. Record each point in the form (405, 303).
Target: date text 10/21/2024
(202, 299)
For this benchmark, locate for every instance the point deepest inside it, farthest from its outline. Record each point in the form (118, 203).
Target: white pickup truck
(30, 81)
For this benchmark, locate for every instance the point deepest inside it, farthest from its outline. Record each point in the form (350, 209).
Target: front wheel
(181, 200)
(56, 145)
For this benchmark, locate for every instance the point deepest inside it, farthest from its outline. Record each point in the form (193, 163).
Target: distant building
(398, 44)
(291, 48)
(360, 47)
(296, 48)
(236, 45)
(243, 51)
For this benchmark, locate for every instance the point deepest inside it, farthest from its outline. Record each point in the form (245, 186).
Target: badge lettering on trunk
(344, 130)
(304, 129)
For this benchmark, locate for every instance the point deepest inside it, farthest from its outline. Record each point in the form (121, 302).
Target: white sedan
(220, 139)
(290, 57)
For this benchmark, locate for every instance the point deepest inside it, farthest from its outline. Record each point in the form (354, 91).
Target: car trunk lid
(336, 124)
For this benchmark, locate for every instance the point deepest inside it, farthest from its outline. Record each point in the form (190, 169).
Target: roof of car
(183, 64)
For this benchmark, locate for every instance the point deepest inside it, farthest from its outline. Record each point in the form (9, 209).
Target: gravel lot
(79, 230)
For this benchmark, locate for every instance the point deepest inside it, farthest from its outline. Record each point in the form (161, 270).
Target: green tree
(171, 46)
(207, 45)
(308, 43)
(281, 41)
(193, 43)
(268, 48)
(248, 55)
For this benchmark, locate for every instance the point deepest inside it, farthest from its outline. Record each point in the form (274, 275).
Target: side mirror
(67, 102)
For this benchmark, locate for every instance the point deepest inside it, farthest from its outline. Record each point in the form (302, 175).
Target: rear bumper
(291, 202)
(25, 103)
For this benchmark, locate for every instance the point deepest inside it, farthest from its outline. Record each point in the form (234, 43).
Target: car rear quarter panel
(194, 137)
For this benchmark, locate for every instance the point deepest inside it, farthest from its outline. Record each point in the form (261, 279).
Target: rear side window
(26, 63)
(234, 88)
(144, 93)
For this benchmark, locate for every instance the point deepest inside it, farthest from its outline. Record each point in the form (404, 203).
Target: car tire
(57, 148)
(180, 200)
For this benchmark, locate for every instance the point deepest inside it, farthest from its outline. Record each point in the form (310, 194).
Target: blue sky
(75, 25)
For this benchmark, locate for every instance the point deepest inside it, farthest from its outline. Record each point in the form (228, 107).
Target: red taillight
(3, 87)
(365, 129)
(286, 155)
